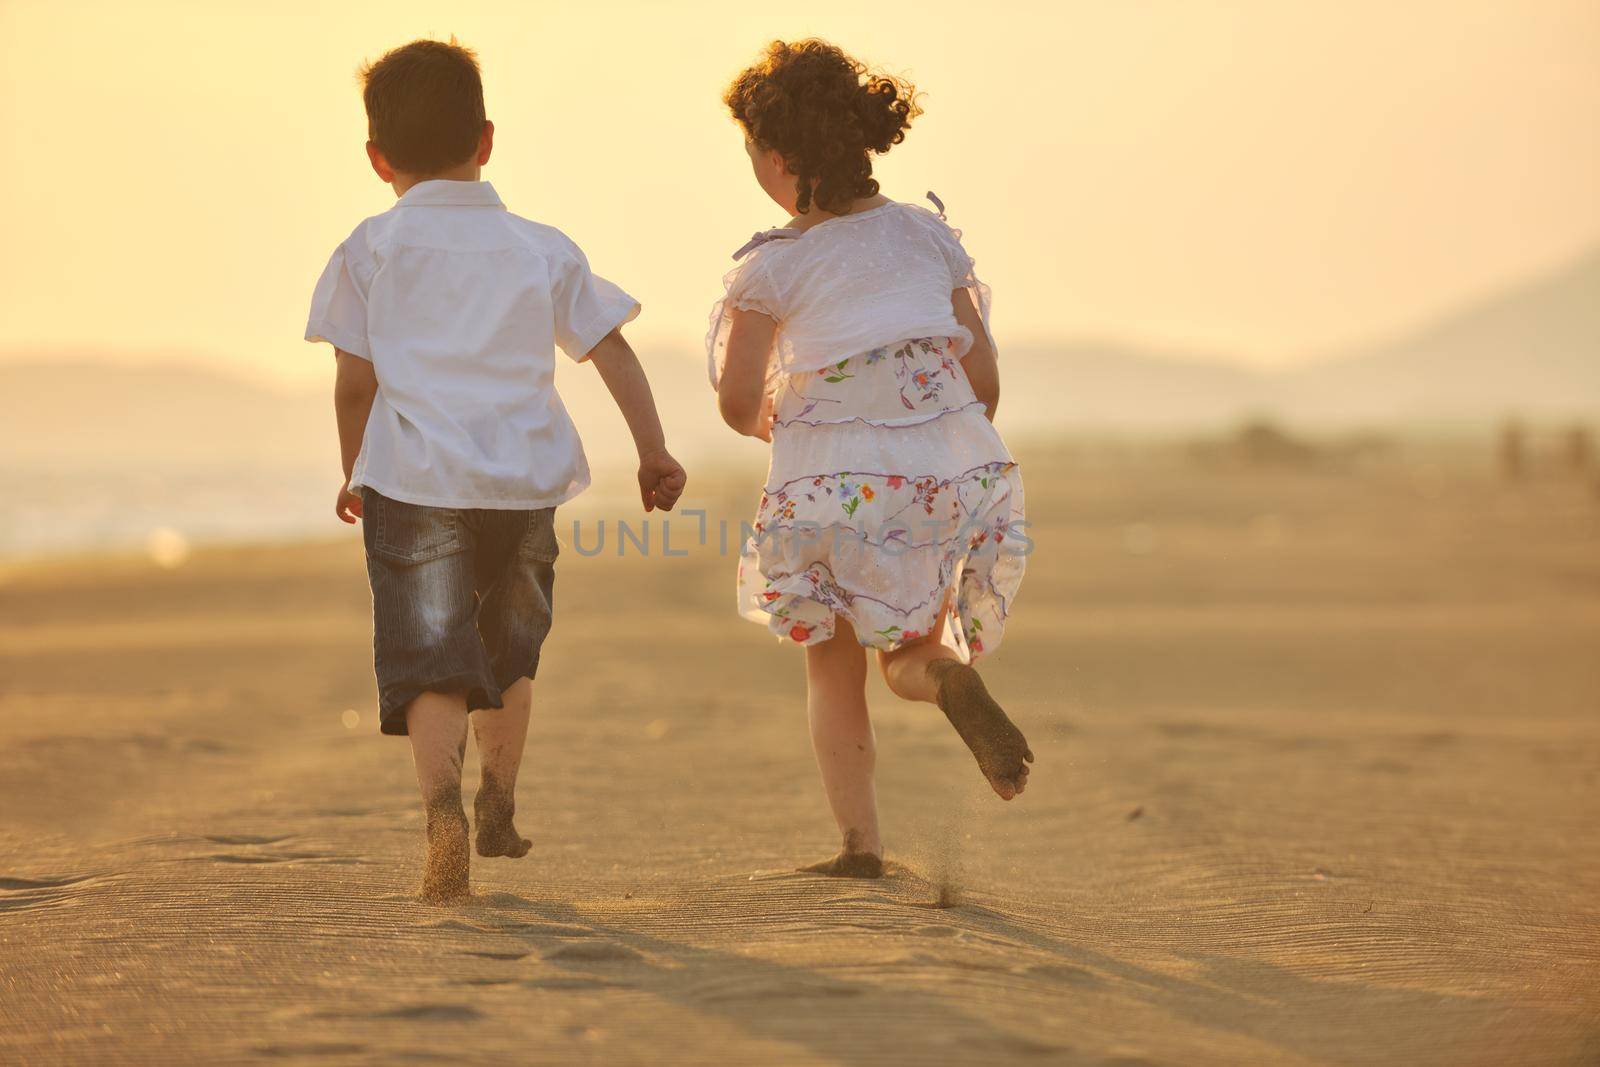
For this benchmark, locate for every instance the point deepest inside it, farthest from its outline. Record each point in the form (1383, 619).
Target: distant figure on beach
(1580, 449)
(1513, 450)
(855, 339)
(445, 312)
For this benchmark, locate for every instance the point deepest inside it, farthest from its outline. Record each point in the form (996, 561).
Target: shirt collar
(441, 192)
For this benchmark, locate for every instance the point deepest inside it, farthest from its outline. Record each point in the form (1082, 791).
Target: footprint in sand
(428, 1012)
(503, 900)
(1005, 1045)
(25, 894)
(245, 839)
(594, 952)
(258, 858)
(435, 1013)
(529, 929)
(571, 985)
(40, 883)
(732, 989)
(1065, 973)
(514, 928)
(507, 956)
(449, 924)
(310, 1048)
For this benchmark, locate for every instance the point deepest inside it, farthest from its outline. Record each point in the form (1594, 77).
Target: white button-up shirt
(459, 305)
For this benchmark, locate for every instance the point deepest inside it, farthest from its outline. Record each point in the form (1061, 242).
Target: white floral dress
(890, 496)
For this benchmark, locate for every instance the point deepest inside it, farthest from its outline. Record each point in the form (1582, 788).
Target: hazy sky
(1265, 180)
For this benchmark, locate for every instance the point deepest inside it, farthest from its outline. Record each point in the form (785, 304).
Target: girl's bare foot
(1001, 750)
(492, 811)
(849, 865)
(444, 872)
(861, 857)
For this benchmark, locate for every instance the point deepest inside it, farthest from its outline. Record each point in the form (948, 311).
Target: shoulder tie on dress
(761, 238)
(937, 203)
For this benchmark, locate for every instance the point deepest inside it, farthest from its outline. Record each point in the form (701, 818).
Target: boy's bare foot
(444, 872)
(492, 811)
(1001, 750)
(849, 865)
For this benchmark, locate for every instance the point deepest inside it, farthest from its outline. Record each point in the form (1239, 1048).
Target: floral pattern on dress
(912, 379)
(969, 555)
(924, 382)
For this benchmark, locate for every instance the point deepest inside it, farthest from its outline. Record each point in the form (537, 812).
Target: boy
(444, 313)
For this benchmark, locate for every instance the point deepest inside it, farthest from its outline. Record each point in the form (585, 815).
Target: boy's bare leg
(437, 725)
(502, 733)
(841, 735)
(928, 670)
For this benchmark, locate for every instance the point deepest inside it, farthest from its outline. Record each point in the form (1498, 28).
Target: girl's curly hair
(825, 113)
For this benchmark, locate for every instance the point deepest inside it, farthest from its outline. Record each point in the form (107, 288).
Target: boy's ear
(485, 142)
(380, 165)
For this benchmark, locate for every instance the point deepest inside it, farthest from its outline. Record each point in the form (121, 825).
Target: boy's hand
(348, 506)
(661, 480)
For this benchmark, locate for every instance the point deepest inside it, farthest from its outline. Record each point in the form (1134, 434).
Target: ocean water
(97, 458)
(71, 511)
(56, 511)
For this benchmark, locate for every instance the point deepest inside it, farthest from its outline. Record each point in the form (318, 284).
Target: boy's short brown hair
(424, 105)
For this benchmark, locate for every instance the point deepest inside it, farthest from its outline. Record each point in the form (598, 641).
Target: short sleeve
(963, 274)
(339, 307)
(586, 306)
(748, 287)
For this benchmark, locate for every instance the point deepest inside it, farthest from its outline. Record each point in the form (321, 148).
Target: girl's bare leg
(907, 672)
(927, 670)
(437, 724)
(502, 734)
(841, 736)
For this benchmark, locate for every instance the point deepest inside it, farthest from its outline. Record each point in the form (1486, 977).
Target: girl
(856, 340)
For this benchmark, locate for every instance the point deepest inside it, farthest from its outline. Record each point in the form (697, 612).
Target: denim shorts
(461, 600)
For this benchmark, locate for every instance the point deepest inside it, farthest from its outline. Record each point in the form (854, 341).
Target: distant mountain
(1081, 386)
(1533, 350)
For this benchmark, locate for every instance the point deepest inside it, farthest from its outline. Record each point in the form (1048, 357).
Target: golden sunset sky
(1262, 180)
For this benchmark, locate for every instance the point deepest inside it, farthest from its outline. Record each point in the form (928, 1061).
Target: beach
(1318, 771)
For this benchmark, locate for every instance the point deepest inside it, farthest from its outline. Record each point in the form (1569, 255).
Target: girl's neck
(815, 215)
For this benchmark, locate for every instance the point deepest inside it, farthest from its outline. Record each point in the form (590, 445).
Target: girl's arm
(983, 370)
(741, 392)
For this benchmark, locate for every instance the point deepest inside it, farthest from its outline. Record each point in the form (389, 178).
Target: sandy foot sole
(999, 747)
(497, 835)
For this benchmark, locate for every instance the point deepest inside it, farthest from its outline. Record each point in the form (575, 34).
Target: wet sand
(1317, 780)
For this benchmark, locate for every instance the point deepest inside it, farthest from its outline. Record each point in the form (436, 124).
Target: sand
(1317, 774)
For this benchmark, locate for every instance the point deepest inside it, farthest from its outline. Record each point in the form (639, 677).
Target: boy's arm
(742, 390)
(354, 387)
(661, 478)
(983, 370)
